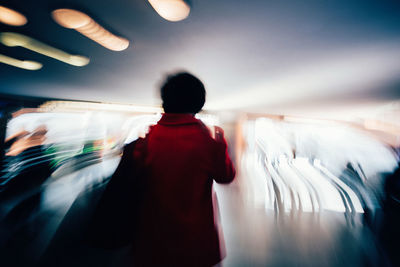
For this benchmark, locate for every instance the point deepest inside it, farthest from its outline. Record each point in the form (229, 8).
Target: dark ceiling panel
(232, 45)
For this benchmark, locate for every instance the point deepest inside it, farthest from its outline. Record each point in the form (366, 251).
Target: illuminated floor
(255, 237)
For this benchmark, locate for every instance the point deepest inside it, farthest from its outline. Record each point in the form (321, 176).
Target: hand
(218, 134)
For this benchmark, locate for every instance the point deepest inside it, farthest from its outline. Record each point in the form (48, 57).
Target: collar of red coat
(177, 118)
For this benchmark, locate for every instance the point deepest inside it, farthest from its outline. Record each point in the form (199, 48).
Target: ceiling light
(79, 21)
(16, 39)
(12, 17)
(172, 10)
(71, 106)
(23, 64)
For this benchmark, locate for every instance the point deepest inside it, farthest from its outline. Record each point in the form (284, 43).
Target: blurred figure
(12, 141)
(177, 225)
(390, 234)
(26, 170)
(25, 165)
(23, 140)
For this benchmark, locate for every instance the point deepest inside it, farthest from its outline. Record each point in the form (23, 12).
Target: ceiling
(256, 55)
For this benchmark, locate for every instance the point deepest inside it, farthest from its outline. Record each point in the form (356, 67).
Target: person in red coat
(177, 225)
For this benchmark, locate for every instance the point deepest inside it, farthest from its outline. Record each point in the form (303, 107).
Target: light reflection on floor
(256, 236)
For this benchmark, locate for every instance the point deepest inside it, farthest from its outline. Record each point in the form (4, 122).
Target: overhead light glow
(12, 17)
(172, 10)
(79, 21)
(16, 39)
(23, 64)
(70, 106)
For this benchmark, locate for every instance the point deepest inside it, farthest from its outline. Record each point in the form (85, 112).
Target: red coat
(177, 226)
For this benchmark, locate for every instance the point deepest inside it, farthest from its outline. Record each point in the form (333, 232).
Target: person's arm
(223, 171)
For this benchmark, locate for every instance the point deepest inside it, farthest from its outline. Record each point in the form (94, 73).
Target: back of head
(182, 93)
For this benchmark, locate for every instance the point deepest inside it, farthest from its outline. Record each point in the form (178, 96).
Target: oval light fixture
(16, 39)
(12, 17)
(171, 10)
(79, 21)
(23, 64)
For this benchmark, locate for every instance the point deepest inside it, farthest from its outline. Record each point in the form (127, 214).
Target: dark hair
(183, 93)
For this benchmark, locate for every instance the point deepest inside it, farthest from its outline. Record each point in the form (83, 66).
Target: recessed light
(79, 21)
(172, 10)
(12, 17)
(23, 64)
(17, 39)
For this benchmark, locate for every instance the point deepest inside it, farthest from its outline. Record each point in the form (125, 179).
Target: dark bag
(114, 220)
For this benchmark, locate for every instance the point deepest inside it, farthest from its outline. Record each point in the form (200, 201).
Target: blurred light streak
(353, 197)
(23, 64)
(79, 21)
(373, 124)
(282, 192)
(12, 17)
(16, 39)
(171, 10)
(259, 193)
(27, 140)
(278, 159)
(70, 106)
(39, 143)
(301, 194)
(59, 195)
(308, 120)
(63, 136)
(328, 194)
(138, 126)
(209, 119)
